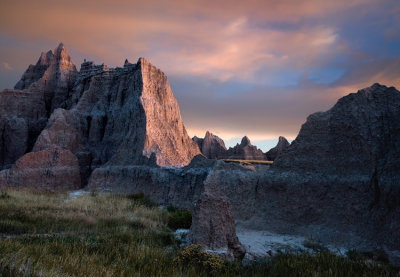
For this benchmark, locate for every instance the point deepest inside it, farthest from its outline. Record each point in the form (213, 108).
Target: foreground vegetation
(54, 234)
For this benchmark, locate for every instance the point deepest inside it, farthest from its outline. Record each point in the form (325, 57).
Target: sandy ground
(265, 243)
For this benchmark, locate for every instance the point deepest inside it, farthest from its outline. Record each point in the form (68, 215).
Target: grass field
(53, 234)
(248, 161)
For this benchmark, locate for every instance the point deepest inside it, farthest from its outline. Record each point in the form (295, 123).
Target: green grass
(248, 161)
(97, 234)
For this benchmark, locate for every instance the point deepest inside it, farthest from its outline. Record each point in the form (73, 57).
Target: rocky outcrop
(211, 146)
(22, 117)
(358, 136)
(273, 153)
(245, 151)
(42, 88)
(53, 76)
(50, 169)
(115, 116)
(213, 225)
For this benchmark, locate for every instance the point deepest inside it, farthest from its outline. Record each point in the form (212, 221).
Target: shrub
(142, 200)
(194, 256)
(4, 195)
(180, 219)
(171, 209)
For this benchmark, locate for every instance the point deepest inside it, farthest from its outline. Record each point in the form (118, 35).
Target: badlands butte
(120, 130)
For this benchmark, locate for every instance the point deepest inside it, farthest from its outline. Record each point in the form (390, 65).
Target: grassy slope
(48, 234)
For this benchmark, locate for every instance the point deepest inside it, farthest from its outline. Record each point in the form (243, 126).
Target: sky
(255, 68)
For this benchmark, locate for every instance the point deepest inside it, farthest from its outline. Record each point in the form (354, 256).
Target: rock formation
(358, 136)
(273, 153)
(211, 146)
(115, 116)
(245, 151)
(213, 225)
(112, 129)
(53, 76)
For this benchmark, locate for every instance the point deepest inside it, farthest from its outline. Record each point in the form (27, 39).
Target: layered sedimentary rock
(24, 111)
(273, 153)
(52, 168)
(211, 146)
(213, 225)
(115, 116)
(338, 182)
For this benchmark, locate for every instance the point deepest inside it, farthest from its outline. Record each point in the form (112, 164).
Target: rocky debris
(273, 153)
(213, 225)
(211, 146)
(245, 151)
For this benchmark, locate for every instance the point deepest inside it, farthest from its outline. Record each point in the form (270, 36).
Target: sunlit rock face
(115, 116)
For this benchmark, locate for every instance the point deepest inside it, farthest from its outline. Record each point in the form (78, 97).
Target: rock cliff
(273, 153)
(211, 146)
(115, 116)
(114, 129)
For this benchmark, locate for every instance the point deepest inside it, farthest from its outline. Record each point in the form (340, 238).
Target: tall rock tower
(96, 117)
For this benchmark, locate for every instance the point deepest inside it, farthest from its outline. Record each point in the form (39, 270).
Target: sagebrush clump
(194, 256)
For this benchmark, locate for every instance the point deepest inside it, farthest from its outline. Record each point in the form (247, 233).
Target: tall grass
(52, 234)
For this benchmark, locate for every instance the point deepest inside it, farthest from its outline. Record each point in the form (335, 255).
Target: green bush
(4, 195)
(142, 200)
(180, 219)
(171, 209)
(194, 256)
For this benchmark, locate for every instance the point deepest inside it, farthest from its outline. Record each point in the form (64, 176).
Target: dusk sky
(255, 68)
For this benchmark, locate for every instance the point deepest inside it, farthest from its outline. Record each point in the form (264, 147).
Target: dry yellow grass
(248, 161)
